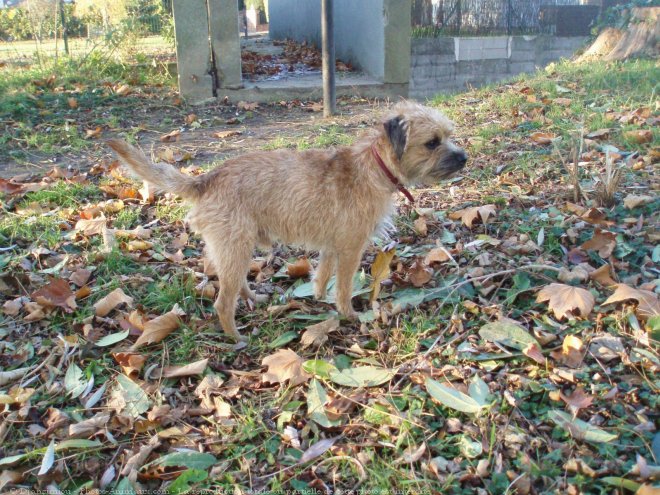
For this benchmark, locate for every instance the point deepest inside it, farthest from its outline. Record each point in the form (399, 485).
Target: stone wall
(447, 65)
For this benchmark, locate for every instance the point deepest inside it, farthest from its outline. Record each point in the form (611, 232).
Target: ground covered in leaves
(507, 340)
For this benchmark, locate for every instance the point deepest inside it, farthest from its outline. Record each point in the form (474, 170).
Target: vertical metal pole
(65, 28)
(328, 42)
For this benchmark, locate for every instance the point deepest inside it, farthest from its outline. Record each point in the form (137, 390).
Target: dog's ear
(396, 131)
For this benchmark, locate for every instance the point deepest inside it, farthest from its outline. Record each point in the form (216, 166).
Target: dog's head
(421, 142)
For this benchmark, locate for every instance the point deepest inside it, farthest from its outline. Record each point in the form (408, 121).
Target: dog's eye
(433, 143)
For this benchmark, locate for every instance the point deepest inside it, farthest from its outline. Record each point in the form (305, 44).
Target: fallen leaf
(533, 352)
(639, 136)
(469, 215)
(572, 352)
(564, 102)
(437, 255)
(419, 274)
(56, 293)
(580, 429)
(542, 137)
(361, 376)
(131, 362)
(411, 454)
(284, 365)
(93, 133)
(80, 276)
(317, 335)
(91, 227)
(244, 105)
(171, 136)
(564, 299)
(190, 118)
(577, 400)
(226, 134)
(633, 200)
(123, 90)
(72, 102)
(602, 241)
(300, 269)
(507, 332)
(160, 327)
(603, 275)
(106, 304)
(420, 226)
(129, 397)
(648, 304)
(380, 271)
(452, 398)
(89, 426)
(196, 368)
(599, 134)
(13, 307)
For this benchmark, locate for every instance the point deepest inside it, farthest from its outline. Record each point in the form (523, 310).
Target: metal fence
(489, 17)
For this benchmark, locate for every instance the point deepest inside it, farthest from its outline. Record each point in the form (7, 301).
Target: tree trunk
(640, 38)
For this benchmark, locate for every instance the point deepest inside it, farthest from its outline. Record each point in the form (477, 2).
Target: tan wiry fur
(329, 200)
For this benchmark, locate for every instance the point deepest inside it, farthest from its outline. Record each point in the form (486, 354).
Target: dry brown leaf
(599, 134)
(542, 137)
(603, 275)
(106, 304)
(577, 400)
(602, 241)
(93, 133)
(316, 335)
(226, 134)
(196, 368)
(284, 365)
(301, 268)
(131, 363)
(380, 271)
(56, 293)
(94, 226)
(639, 136)
(469, 215)
(420, 226)
(437, 255)
(13, 306)
(72, 102)
(138, 245)
(572, 352)
(80, 277)
(244, 105)
(564, 102)
(190, 118)
(419, 274)
(648, 304)
(171, 136)
(157, 329)
(633, 200)
(89, 426)
(564, 299)
(123, 90)
(533, 352)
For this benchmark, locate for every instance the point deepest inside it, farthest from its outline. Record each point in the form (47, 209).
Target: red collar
(390, 175)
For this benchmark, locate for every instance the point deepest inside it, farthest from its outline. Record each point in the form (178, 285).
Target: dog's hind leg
(324, 271)
(231, 261)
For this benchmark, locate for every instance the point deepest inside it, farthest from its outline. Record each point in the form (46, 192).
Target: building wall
(448, 65)
(359, 32)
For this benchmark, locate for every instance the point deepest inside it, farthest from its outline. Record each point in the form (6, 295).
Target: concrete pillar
(193, 51)
(398, 30)
(225, 43)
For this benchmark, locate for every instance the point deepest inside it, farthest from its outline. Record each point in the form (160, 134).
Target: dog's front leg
(348, 262)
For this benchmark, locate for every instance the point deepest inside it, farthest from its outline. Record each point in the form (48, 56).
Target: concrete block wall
(447, 65)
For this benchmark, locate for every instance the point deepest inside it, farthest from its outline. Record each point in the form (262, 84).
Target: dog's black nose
(461, 158)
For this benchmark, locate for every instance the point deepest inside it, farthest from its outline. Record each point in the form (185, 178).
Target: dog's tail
(164, 177)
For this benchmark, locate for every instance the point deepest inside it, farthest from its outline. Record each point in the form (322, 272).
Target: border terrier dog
(332, 200)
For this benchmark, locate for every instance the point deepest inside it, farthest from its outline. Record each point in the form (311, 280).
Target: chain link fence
(497, 17)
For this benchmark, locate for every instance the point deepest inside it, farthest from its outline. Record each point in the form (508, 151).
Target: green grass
(34, 229)
(67, 195)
